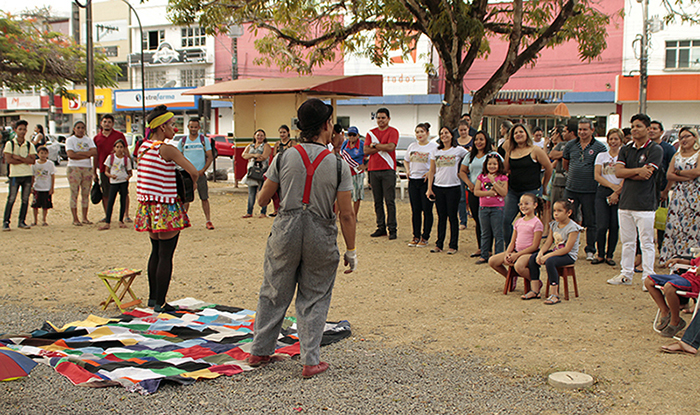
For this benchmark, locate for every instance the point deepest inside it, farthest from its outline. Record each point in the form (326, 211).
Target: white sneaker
(590, 256)
(644, 287)
(620, 280)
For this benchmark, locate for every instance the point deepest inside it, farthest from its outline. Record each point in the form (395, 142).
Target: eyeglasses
(352, 135)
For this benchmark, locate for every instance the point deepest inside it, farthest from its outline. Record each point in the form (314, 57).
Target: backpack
(126, 165)
(212, 143)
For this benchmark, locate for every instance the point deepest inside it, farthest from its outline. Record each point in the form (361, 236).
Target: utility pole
(90, 87)
(643, 60)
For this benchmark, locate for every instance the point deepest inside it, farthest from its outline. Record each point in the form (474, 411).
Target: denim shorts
(675, 280)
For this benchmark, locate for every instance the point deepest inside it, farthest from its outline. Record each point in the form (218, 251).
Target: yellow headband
(160, 120)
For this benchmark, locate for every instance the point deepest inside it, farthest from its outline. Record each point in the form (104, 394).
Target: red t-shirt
(693, 277)
(105, 146)
(382, 160)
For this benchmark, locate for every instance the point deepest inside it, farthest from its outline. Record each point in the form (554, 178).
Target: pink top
(156, 178)
(693, 277)
(491, 201)
(526, 232)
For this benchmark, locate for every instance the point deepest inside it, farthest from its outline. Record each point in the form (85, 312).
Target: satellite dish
(169, 84)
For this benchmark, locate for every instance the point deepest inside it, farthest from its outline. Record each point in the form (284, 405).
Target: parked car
(224, 145)
(57, 148)
(401, 147)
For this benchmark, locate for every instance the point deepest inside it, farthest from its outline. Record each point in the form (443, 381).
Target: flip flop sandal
(77, 224)
(553, 299)
(436, 250)
(527, 297)
(87, 222)
(610, 262)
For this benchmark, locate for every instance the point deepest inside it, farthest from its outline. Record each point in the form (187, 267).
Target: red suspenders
(310, 169)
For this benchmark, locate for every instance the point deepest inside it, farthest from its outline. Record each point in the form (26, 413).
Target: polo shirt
(640, 195)
(382, 160)
(581, 176)
(27, 148)
(105, 146)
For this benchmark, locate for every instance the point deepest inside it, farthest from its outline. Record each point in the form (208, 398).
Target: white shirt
(608, 170)
(42, 175)
(117, 168)
(81, 144)
(419, 156)
(447, 163)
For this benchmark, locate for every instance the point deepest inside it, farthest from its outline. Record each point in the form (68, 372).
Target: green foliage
(32, 56)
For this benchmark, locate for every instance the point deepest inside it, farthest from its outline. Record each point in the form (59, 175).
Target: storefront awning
(527, 110)
(327, 86)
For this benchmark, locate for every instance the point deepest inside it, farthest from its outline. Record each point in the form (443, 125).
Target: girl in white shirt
(417, 162)
(443, 187)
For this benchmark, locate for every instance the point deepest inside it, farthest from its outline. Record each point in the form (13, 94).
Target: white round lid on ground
(570, 380)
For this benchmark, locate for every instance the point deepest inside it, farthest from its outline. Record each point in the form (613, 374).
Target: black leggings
(447, 204)
(123, 190)
(160, 269)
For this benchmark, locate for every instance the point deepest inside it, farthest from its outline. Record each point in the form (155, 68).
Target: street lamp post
(143, 77)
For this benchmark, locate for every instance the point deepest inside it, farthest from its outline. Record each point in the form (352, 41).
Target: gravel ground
(364, 378)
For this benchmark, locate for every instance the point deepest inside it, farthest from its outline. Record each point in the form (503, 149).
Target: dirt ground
(398, 295)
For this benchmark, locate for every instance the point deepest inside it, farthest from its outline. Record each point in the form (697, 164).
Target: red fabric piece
(195, 352)
(227, 370)
(237, 354)
(292, 349)
(693, 277)
(137, 314)
(113, 358)
(75, 373)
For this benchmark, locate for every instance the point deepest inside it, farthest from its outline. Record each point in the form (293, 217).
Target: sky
(61, 7)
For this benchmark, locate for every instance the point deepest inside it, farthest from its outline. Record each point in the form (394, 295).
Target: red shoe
(255, 361)
(209, 225)
(247, 216)
(311, 371)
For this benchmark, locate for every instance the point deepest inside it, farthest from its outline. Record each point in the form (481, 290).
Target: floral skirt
(160, 217)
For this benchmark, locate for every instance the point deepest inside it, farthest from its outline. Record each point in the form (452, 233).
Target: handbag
(660, 218)
(96, 193)
(256, 171)
(185, 186)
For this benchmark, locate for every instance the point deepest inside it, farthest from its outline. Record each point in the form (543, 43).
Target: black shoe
(165, 308)
(597, 261)
(6, 226)
(378, 233)
(23, 225)
(392, 235)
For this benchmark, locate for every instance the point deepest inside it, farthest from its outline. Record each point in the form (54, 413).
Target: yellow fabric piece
(160, 120)
(201, 374)
(91, 321)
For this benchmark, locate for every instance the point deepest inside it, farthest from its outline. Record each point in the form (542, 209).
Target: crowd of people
(531, 195)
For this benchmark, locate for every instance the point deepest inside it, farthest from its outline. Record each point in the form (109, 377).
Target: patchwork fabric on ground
(140, 350)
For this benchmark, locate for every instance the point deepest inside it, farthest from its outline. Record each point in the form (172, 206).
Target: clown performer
(160, 211)
(302, 253)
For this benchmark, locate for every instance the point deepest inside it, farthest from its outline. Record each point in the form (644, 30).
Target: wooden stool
(124, 278)
(512, 280)
(564, 273)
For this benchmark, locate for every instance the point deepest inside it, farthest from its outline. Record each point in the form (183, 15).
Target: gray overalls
(302, 254)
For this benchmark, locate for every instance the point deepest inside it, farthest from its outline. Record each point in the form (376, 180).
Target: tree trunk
(451, 108)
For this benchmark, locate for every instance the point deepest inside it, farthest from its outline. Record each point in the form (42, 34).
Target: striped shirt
(156, 177)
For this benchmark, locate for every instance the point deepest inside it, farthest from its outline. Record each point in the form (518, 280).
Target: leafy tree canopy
(31, 55)
(301, 34)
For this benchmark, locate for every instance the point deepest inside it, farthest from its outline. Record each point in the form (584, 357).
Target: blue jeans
(692, 333)
(491, 219)
(252, 192)
(15, 183)
(462, 203)
(551, 265)
(511, 210)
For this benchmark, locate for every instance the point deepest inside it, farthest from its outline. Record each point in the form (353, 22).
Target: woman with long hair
(257, 153)
(160, 211)
(471, 168)
(524, 161)
(39, 139)
(443, 187)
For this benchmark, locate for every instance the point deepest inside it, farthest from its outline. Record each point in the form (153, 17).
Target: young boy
(670, 321)
(43, 173)
(20, 155)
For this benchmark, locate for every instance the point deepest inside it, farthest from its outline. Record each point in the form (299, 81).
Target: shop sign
(130, 99)
(76, 105)
(24, 103)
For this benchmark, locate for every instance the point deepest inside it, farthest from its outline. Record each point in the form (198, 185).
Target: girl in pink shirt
(527, 234)
(491, 187)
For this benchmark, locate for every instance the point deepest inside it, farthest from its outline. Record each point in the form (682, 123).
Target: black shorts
(42, 200)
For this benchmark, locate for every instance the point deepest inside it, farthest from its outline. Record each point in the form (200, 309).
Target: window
(192, 77)
(155, 79)
(193, 36)
(124, 67)
(153, 38)
(683, 54)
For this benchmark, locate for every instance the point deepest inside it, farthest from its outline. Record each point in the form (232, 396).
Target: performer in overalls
(302, 252)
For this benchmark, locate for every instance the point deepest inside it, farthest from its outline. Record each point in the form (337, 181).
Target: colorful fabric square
(138, 350)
